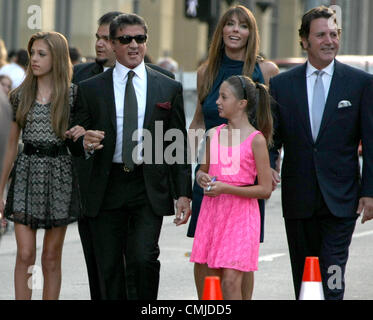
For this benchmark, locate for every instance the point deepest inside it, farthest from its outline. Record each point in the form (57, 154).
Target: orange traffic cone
(212, 289)
(311, 288)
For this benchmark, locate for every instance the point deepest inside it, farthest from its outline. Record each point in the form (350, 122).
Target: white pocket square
(344, 104)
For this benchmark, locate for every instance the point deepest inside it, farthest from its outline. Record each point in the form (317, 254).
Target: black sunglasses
(140, 38)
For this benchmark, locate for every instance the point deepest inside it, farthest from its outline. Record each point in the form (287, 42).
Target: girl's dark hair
(257, 96)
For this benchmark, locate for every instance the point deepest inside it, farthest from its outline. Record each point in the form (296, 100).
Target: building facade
(171, 34)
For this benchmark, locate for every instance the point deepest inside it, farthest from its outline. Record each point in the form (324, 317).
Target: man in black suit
(127, 196)
(322, 109)
(105, 59)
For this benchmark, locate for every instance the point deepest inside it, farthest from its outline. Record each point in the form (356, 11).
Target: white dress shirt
(120, 76)
(311, 79)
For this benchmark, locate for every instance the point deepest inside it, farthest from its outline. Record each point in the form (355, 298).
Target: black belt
(53, 150)
(123, 168)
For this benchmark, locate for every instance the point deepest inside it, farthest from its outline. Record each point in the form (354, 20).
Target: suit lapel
(151, 95)
(109, 98)
(338, 87)
(300, 94)
(97, 69)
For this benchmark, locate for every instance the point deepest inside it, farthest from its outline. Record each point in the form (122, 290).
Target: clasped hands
(92, 140)
(75, 133)
(210, 186)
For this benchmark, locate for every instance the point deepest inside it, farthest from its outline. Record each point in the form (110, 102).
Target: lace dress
(44, 192)
(228, 228)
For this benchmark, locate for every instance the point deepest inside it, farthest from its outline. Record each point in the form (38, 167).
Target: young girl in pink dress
(228, 229)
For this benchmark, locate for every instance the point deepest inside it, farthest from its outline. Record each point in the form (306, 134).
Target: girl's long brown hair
(212, 65)
(61, 80)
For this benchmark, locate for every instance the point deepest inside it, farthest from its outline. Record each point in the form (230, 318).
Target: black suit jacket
(84, 71)
(95, 110)
(332, 161)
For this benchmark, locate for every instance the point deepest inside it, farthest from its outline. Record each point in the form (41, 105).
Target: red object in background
(212, 289)
(312, 270)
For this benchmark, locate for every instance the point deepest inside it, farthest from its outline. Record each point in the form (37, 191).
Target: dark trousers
(126, 231)
(86, 239)
(327, 237)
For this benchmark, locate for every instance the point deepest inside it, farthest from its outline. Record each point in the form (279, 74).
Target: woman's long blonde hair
(3, 54)
(61, 80)
(216, 50)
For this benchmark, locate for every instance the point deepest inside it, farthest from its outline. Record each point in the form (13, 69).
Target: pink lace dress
(228, 228)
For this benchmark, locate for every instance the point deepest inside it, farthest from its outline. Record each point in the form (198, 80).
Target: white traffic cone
(311, 288)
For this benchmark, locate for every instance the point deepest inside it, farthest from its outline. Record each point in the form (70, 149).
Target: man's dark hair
(108, 17)
(12, 54)
(313, 14)
(22, 58)
(75, 54)
(125, 20)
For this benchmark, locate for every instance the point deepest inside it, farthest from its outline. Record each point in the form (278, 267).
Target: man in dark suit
(322, 109)
(129, 193)
(105, 59)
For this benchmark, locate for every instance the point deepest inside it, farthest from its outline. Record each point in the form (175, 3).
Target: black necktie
(129, 124)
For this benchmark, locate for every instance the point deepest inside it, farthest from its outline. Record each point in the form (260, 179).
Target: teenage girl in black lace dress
(43, 193)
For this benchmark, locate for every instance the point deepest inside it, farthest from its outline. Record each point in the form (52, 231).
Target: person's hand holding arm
(75, 133)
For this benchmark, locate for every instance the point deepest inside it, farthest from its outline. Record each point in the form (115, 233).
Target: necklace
(43, 99)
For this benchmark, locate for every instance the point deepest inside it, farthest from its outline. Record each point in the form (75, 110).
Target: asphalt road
(272, 280)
